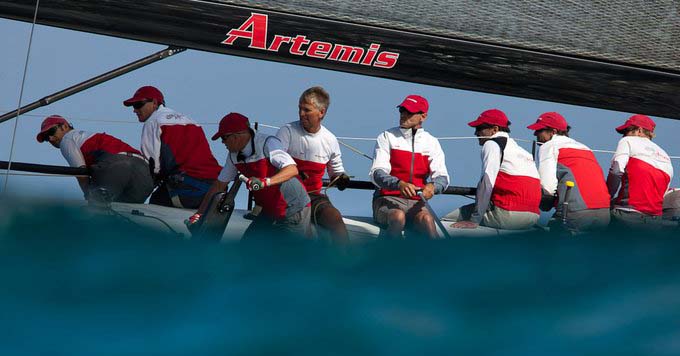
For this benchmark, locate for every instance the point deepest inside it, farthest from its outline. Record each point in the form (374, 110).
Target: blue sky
(207, 86)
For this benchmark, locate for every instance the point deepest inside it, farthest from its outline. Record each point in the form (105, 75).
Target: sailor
(509, 191)
(671, 204)
(184, 166)
(562, 160)
(641, 172)
(273, 179)
(113, 165)
(407, 160)
(315, 150)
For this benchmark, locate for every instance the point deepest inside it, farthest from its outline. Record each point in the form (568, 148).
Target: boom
(619, 55)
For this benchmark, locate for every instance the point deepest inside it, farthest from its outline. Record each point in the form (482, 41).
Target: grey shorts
(126, 179)
(497, 218)
(294, 227)
(637, 220)
(383, 204)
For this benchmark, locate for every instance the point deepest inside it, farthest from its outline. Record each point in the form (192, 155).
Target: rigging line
(602, 151)
(21, 94)
(46, 175)
(446, 138)
(356, 150)
(269, 126)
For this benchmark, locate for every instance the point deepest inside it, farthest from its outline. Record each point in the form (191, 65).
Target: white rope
(355, 150)
(269, 126)
(345, 138)
(21, 94)
(356, 138)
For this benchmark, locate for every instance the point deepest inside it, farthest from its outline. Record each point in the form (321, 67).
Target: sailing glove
(342, 182)
(255, 184)
(193, 219)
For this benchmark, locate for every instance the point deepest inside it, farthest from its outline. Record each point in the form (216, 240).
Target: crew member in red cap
(184, 166)
(564, 159)
(642, 170)
(315, 150)
(509, 192)
(113, 165)
(273, 179)
(407, 159)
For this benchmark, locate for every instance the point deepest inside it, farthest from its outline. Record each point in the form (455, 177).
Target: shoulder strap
(264, 145)
(501, 142)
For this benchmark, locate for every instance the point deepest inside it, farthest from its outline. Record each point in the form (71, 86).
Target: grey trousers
(638, 220)
(582, 220)
(496, 217)
(126, 179)
(293, 228)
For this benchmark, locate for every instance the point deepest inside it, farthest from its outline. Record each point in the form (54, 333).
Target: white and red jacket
(82, 148)
(509, 178)
(643, 171)
(264, 156)
(415, 158)
(314, 153)
(177, 144)
(564, 159)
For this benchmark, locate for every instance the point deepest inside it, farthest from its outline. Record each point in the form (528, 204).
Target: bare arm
(284, 174)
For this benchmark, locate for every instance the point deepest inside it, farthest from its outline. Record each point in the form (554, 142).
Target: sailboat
(581, 58)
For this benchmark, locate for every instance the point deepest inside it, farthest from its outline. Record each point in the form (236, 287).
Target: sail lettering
(257, 23)
(254, 30)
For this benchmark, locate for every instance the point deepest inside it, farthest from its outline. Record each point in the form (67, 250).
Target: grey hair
(317, 96)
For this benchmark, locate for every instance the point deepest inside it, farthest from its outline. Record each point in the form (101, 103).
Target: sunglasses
(226, 136)
(403, 110)
(52, 131)
(138, 105)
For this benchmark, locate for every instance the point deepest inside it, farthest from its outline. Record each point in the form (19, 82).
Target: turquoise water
(77, 284)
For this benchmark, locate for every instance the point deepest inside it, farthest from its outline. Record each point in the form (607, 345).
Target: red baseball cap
(414, 104)
(551, 120)
(491, 117)
(47, 124)
(233, 122)
(145, 93)
(638, 120)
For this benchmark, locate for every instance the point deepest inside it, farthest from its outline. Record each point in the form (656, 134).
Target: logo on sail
(254, 29)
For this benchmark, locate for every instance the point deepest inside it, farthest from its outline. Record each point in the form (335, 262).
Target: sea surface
(76, 283)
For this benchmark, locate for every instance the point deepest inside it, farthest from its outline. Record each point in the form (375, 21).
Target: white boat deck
(361, 229)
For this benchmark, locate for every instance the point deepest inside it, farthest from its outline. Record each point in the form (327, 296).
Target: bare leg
(330, 218)
(424, 223)
(396, 220)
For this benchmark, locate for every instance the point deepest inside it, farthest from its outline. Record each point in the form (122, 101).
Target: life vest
(412, 158)
(646, 174)
(92, 147)
(564, 159)
(314, 153)
(517, 186)
(177, 144)
(278, 201)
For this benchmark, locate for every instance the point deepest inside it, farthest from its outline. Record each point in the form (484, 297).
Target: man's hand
(465, 225)
(192, 220)
(255, 184)
(342, 181)
(428, 191)
(407, 189)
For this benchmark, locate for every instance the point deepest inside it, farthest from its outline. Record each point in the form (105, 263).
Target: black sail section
(396, 52)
